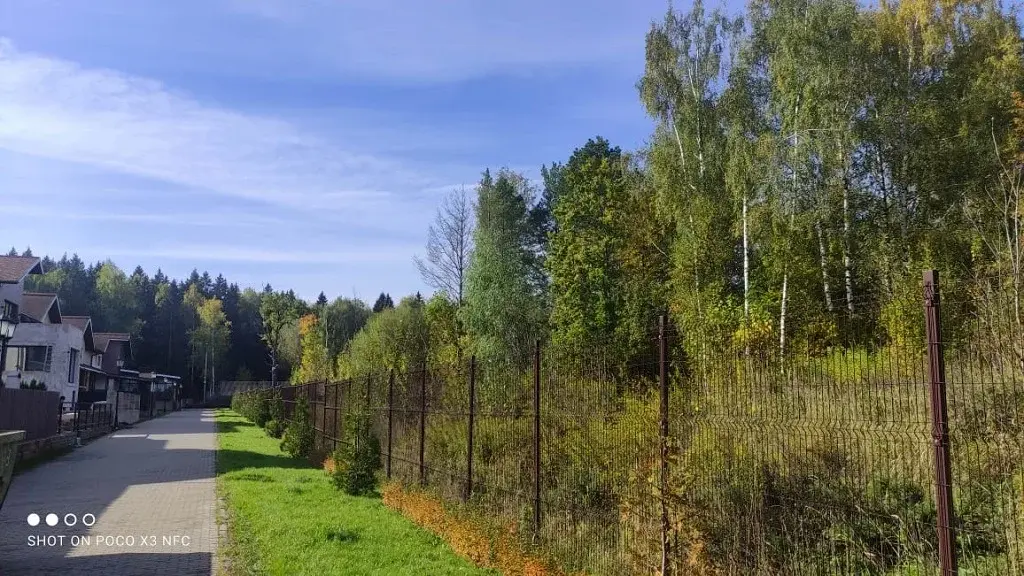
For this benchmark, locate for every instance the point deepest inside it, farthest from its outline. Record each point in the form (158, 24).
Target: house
(45, 350)
(92, 380)
(115, 351)
(13, 271)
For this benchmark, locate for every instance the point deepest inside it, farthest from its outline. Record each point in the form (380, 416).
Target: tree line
(201, 328)
(808, 159)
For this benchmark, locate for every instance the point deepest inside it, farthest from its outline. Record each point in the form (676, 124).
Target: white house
(92, 380)
(13, 271)
(45, 349)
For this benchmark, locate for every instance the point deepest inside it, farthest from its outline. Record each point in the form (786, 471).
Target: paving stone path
(150, 489)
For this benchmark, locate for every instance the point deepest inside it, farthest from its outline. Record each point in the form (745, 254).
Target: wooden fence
(37, 412)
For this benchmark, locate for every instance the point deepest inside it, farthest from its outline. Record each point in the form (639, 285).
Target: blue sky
(305, 144)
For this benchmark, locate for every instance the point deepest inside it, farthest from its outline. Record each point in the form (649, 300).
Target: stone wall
(43, 446)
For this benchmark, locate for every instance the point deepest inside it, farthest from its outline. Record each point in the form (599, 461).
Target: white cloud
(57, 109)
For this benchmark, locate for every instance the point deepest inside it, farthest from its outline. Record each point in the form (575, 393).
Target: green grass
(285, 517)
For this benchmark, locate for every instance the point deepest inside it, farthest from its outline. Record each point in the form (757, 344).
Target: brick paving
(151, 490)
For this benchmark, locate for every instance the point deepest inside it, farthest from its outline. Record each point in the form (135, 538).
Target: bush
(275, 428)
(298, 436)
(357, 460)
(262, 415)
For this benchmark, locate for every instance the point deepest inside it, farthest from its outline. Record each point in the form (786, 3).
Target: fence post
(472, 414)
(74, 406)
(663, 438)
(391, 412)
(334, 417)
(940, 425)
(323, 419)
(423, 423)
(536, 439)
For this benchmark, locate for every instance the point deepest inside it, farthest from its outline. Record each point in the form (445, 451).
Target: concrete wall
(63, 338)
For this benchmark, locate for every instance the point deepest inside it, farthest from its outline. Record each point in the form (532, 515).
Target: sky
(302, 144)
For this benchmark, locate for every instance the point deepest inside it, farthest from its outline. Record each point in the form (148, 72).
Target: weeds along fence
(845, 453)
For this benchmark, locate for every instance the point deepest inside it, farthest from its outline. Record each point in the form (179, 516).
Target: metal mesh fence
(824, 454)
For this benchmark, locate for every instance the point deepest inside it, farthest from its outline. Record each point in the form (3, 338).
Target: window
(73, 366)
(38, 358)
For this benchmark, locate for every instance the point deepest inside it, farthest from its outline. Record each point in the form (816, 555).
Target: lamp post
(8, 322)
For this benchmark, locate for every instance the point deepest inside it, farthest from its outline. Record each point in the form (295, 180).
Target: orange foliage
(503, 552)
(328, 464)
(306, 324)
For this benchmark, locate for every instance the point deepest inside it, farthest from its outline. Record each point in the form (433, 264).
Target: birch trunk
(823, 252)
(847, 263)
(746, 265)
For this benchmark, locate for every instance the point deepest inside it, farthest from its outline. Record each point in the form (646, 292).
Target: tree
(502, 312)
(584, 261)
(213, 336)
(277, 309)
(383, 303)
(449, 241)
(116, 305)
(315, 365)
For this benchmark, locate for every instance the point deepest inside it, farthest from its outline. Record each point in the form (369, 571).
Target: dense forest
(198, 325)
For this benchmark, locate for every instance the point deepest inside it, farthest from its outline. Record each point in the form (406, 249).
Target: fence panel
(819, 451)
(34, 411)
(983, 341)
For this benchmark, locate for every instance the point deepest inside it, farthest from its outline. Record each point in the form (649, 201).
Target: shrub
(262, 410)
(275, 428)
(357, 460)
(298, 436)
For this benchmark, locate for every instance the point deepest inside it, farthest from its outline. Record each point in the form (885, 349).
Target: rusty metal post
(940, 425)
(472, 414)
(334, 416)
(390, 418)
(663, 438)
(391, 414)
(536, 439)
(423, 424)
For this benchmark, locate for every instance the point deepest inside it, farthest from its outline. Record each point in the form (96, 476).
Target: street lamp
(8, 322)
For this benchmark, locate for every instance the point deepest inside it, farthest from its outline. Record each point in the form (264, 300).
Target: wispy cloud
(57, 109)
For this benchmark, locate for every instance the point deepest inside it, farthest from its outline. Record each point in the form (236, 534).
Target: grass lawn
(286, 517)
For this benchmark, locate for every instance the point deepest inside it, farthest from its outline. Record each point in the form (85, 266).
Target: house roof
(102, 339)
(83, 323)
(39, 305)
(13, 269)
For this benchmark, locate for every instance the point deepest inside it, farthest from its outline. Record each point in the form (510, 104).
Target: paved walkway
(150, 489)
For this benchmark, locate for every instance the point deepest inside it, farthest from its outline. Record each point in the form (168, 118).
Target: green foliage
(395, 338)
(503, 313)
(33, 385)
(358, 459)
(584, 261)
(275, 428)
(298, 436)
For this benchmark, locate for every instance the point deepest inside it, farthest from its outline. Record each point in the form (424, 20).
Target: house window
(38, 358)
(73, 366)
